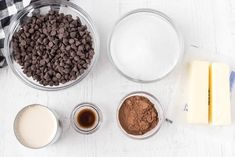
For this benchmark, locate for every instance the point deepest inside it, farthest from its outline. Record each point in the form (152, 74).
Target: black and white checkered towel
(7, 9)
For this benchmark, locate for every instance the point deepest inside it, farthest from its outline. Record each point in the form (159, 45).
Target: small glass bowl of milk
(36, 126)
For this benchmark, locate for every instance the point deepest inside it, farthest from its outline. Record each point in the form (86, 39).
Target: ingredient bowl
(42, 8)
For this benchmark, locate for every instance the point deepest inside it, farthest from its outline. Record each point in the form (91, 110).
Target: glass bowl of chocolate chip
(140, 115)
(51, 45)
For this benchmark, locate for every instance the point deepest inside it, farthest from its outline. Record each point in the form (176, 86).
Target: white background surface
(208, 24)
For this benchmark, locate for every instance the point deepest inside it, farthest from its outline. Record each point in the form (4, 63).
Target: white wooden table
(208, 24)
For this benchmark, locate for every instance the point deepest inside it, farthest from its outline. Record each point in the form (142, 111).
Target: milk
(35, 126)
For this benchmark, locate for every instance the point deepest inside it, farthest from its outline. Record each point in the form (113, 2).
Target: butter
(198, 92)
(220, 107)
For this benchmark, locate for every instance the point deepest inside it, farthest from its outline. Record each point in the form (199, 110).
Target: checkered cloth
(7, 9)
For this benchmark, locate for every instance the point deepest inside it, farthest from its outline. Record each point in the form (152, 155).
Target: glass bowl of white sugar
(145, 45)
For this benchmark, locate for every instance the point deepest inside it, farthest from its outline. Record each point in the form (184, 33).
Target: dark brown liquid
(86, 118)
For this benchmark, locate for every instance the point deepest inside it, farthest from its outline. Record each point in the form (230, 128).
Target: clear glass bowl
(56, 136)
(166, 56)
(79, 108)
(44, 6)
(157, 106)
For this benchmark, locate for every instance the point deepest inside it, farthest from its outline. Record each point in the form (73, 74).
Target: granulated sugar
(144, 46)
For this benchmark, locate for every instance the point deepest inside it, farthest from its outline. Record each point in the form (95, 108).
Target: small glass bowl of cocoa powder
(140, 115)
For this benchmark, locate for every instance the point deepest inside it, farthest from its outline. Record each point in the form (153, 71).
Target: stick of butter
(220, 107)
(198, 92)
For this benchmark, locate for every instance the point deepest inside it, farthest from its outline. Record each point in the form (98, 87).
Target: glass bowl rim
(169, 21)
(14, 24)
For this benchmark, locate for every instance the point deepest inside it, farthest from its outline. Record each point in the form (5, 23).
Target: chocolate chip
(45, 41)
(58, 75)
(31, 30)
(76, 58)
(50, 44)
(53, 33)
(61, 30)
(81, 33)
(77, 43)
(84, 41)
(71, 41)
(80, 48)
(67, 47)
(60, 36)
(23, 42)
(44, 31)
(42, 62)
(73, 34)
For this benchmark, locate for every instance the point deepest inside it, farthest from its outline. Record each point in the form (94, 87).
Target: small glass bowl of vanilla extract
(86, 118)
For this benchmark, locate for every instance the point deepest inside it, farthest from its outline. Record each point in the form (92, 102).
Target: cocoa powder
(137, 115)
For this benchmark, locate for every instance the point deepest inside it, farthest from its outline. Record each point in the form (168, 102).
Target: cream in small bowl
(36, 126)
(140, 115)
